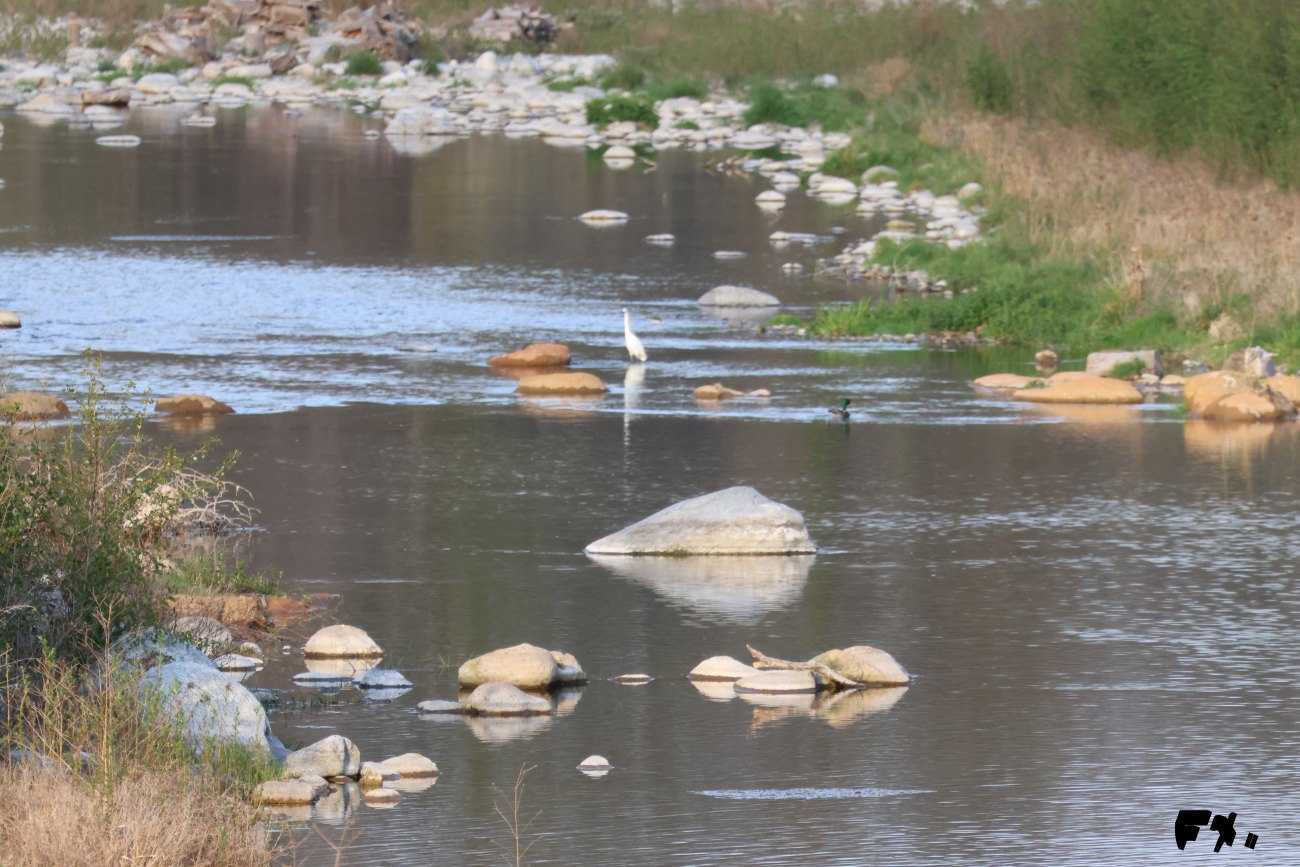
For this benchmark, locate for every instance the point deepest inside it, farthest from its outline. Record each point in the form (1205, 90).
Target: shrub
(623, 77)
(364, 63)
(989, 83)
(611, 109)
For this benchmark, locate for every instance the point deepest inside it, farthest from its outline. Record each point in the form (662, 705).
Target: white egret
(634, 346)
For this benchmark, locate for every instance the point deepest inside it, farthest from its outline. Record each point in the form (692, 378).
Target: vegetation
(831, 108)
(612, 109)
(1130, 369)
(364, 63)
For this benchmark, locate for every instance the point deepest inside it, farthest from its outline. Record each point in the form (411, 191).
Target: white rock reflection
(731, 589)
(500, 729)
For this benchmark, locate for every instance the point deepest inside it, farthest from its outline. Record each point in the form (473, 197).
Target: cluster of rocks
(507, 23)
(856, 667)
(511, 682)
(310, 772)
(538, 369)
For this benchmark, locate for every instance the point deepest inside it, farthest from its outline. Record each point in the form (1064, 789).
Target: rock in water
(865, 664)
(721, 668)
(523, 665)
(779, 682)
(341, 642)
(31, 406)
(192, 404)
(736, 520)
(561, 384)
(9, 319)
(535, 355)
(412, 765)
(1085, 389)
(502, 699)
(737, 296)
(288, 793)
(334, 756)
(1103, 362)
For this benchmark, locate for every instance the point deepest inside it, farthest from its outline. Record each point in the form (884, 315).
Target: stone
(721, 668)
(865, 664)
(341, 642)
(1103, 362)
(570, 672)
(1173, 380)
(31, 406)
(202, 631)
(157, 82)
(152, 647)
(232, 610)
(561, 384)
(334, 756)
(779, 682)
(46, 103)
(318, 784)
(192, 404)
(524, 665)
(412, 765)
(116, 96)
(373, 775)
(442, 707)
(1248, 406)
(1287, 386)
(503, 699)
(618, 153)
(1005, 381)
(9, 319)
(285, 793)
(1046, 359)
(603, 216)
(236, 662)
(535, 355)
(736, 520)
(633, 679)
(386, 797)
(737, 296)
(770, 200)
(595, 763)
(380, 678)
(1087, 389)
(1204, 389)
(1253, 361)
(715, 391)
(208, 705)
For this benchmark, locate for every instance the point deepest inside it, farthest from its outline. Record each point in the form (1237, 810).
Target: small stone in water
(595, 763)
(632, 679)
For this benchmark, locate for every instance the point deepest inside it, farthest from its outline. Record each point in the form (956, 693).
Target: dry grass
(50, 819)
(1169, 230)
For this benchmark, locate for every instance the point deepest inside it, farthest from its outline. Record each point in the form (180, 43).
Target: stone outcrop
(31, 406)
(192, 404)
(334, 756)
(736, 520)
(284, 793)
(1084, 389)
(737, 296)
(535, 355)
(1236, 397)
(561, 384)
(1103, 362)
(341, 642)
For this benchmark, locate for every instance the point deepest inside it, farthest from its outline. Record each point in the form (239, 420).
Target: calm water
(1099, 605)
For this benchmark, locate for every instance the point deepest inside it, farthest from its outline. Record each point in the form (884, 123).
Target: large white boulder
(208, 705)
(341, 642)
(334, 756)
(736, 520)
(524, 666)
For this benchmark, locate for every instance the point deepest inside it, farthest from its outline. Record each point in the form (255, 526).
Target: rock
(250, 649)
(380, 678)
(118, 96)
(1249, 406)
(153, 647)
(524, 665)
(1204, 389)
(1045, 359)
(285, 793)
(46, 103)
(1173, 380)
(192, 404)
(595, 763)
(603, 216)
(770, 200)
(208, 705)
(736, 520)
(334, 756)
(618, 153)
(374, 774)
(737, 296)
(1102, 363)
(715, 391)
(241, 610)
(322, 678)
(1005, 381)
(439, 706)
(157, 82)
(236, 662)
(1287, 386)
(570, 672)
(384, 797)
(341, 642)
(1255, 361)
(503, 699)
(1226, 329)
(779, 682)
(1088, 389)
(561, 384)
(319, 785)
(866, 665)
(721, 668)
(535, 355)
(9, 319)
(633, 679)
(412, 765)
(663, 240)
(31, 406)
(202, 631)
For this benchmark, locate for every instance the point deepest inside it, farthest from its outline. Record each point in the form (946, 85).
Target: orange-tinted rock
(1005, 381)
(1247, 406)
(31, 406)
(1084, 389)
(1064, 376)
(1287, 386)
(192, 404)
(716, 391)
(241, 610)
(561, 384)
(535, 355)
(1206, 388)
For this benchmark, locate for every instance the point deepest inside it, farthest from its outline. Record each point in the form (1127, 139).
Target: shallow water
(1099, 604)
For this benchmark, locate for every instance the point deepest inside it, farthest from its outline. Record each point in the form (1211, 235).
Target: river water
(1099, 605)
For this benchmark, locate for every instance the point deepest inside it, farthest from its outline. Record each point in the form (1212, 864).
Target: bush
(364, 63)
(803, 106)
(611, 109)
(675, 88)
(989, 83)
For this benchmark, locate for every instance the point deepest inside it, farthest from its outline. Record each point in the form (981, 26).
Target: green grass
(625, 76)
(675, 88)
(830, 108)
(891, 136)
(364, 63)
(207, 573)
(1130, 369)
(234, 79)
(567, 85)
(611, 109)
(686, 124)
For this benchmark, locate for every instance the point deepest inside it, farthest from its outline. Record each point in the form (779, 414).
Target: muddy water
(1099, 605)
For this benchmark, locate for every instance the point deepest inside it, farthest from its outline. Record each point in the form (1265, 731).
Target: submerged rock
(192, 404)
(503, 699)
(380, 678)
(561, 384)
(718, 391)
(334, 756)
(440, 706)
(721, 668)
(603, 216)
(737, 296)
(865, 664)
(736, 520)
(341, 642)
(535, 355)
(524, 665)
(1046, 359)
(31, 406)
(780, 682)
(382, 797)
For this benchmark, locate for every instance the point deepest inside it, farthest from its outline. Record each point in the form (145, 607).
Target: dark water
(1099, 604)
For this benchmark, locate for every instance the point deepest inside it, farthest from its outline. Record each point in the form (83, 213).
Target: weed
(794, 105)
(234, 79)
(509, 813)
(566, 85)
(364, 63)
(612, 109)
(623, 77)
(676, 88)
(686, 124)
(1130, 369)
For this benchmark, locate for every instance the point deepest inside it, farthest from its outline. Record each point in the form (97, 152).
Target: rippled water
(1099, 604)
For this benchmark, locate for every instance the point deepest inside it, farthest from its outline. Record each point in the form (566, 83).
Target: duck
(842, 413)
(635, 348)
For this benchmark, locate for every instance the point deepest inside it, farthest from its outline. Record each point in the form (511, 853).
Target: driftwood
(765, 662)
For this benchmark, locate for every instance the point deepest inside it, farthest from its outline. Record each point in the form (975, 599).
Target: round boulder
(524, 666)
(9, 319)
(380, 678)
(341, 642)
(192, 404)
(334, 756)
(535, 355)
(561, 384)
(721, 668)
(31, 406)
(208, 705)
(375, 774)
(1204, 389)
(595, 763)
(865, 664)
(1249, 406)
(412, 765)
(502, 699)
(737, 296)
